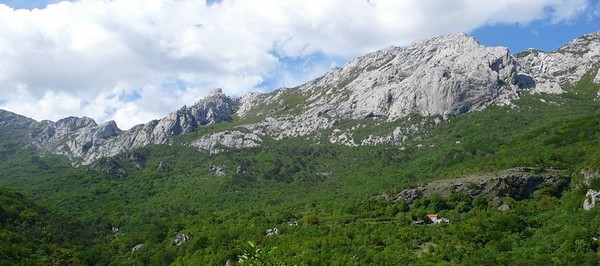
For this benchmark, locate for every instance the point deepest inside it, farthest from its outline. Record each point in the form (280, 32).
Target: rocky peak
(14, 121)
(83, 141)
(442, 76)
(451, 74)
(72, 122)
(108, 140)
(214, 108)
(446, 75)
(567, 65)
(582, 45)
(108, 130)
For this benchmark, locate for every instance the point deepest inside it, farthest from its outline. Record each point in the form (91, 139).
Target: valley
(314, 162)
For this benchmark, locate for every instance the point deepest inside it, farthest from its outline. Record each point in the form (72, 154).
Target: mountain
(565, 65)
(444, 152)
(443, 76)
(83, 141)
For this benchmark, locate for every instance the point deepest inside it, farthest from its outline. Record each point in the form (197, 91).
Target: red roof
(432, 216)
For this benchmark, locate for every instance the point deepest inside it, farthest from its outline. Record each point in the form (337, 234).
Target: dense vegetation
(154, 193)
(31, 235)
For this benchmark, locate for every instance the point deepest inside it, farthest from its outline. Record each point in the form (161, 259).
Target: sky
(132, 61)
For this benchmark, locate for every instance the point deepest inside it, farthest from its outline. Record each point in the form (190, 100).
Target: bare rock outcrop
(591, 197)
(436, 78)
(219, 170)
(137, 247)
(83, 141)
(517, 183)
(568, 64)
(273, 232)
(227, 139)
(446, 75)
(180, 239)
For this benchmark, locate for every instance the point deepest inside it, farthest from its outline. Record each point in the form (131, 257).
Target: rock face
(230, 139)
(15, 122)
(565, 65)
(447, 75)
(83, 141)
(517, 183)
(438, 78)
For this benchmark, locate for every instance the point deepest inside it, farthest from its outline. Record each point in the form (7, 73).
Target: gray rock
(218, 170)
(408, 195)
(180, 239)
(504, 207)
(273, 232)
(589, 176)
(239, 170)
(564, 66)
(447, 75)
(83, 141)
(137, 247)
(163, 167)
(590, 199)
(230, 139)
(517, 183)
(437, 77)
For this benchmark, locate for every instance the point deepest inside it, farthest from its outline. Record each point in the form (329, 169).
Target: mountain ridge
(501, 177)
(441, 77)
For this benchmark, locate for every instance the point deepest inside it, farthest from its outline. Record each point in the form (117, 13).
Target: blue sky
(28, 4)
(136, 60)
(541, 35)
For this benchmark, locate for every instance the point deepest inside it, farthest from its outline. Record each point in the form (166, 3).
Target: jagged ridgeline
(499, 151)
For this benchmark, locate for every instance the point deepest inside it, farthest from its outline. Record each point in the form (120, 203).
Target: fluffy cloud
(136, 60)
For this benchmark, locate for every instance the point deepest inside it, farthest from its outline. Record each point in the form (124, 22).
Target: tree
(253, 255)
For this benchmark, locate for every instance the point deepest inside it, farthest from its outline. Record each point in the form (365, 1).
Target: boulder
(180, 239)
(218, 170)
(590, 199)
(137, 247)
(273, 232)
(504, 207)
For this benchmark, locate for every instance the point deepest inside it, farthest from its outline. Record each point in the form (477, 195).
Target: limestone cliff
(566, 65)
(83, 141)
(439, 78)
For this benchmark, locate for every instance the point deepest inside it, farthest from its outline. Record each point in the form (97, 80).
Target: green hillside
(31, 235)
(222, 201)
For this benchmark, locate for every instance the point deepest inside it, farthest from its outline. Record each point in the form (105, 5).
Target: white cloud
(76, 58)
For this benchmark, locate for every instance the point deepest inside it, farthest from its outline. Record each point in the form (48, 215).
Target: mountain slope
(447, 75)
(31, 235)
(83, 141)
(439, 77)
(568, 64)
(323, 197)
(221, 201)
